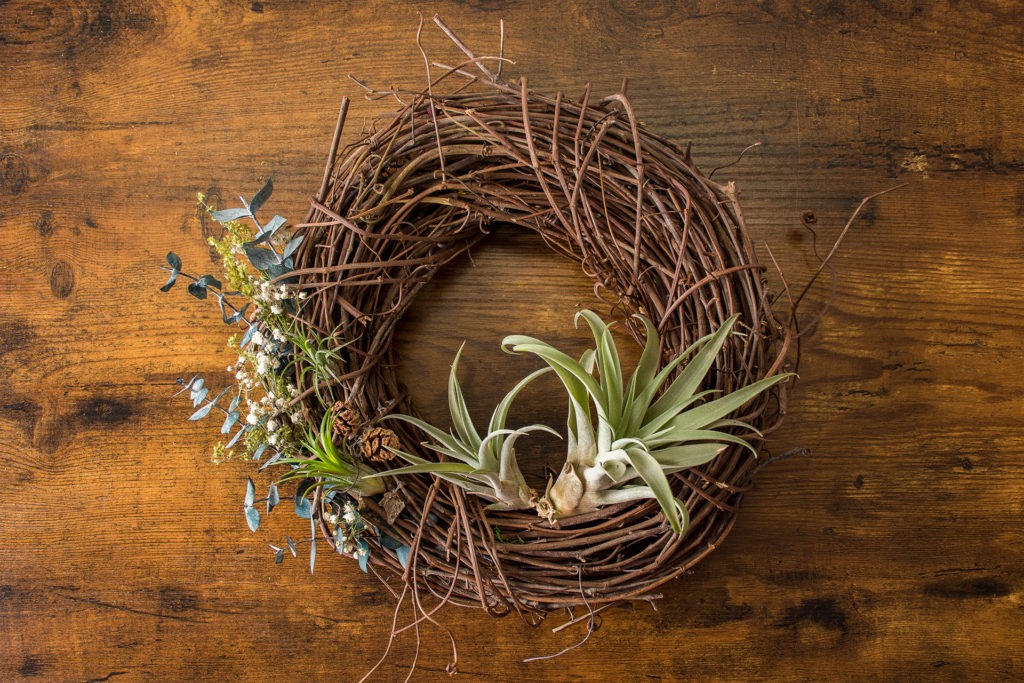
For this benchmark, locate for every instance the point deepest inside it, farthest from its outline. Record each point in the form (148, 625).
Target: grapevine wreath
(657, 462)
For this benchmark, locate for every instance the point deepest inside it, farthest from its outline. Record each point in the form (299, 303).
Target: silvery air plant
(275, 352)
(624, 437)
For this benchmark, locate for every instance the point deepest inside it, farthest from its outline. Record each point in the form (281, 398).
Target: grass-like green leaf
(651, 472)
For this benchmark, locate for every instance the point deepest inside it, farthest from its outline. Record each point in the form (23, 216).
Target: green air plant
(334, 465)
(642, 432)
(485, 465)
(316, 359)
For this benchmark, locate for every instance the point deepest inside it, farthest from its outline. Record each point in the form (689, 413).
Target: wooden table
(892, 550)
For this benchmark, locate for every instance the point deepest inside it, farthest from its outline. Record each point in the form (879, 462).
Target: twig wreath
(656, 464)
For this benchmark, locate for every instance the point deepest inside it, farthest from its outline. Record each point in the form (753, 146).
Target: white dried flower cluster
(350, 525)
(270, 297)
(266, 400)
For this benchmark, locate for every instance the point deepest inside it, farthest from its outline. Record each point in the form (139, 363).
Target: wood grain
(891, 551)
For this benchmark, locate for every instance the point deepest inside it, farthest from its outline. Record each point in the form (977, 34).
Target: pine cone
(347, 419)
(377, 443)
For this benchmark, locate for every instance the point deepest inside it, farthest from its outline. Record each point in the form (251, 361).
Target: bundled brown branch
(658, 238)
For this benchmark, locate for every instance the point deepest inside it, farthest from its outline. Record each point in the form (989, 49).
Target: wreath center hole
(509, 283)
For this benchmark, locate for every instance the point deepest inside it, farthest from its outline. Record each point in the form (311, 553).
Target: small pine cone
(347, 419)
(376, 444)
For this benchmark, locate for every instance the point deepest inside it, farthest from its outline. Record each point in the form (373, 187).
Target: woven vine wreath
(658, 238)
(656, 466)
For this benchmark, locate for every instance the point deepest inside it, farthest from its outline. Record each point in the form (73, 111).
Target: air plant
(336, 466)
(484, 465)
(639, 432)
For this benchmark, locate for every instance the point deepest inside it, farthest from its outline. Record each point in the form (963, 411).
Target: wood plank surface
(892, 550)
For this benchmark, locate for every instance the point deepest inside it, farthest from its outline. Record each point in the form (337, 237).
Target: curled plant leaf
(198, 288)
(486, 465)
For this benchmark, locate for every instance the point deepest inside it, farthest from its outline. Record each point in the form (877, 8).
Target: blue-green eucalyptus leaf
(247, 337)
(261, 238)
(262, 196)
(197, 290)
(202, 412)
(270, 461)
(235, 317)
(229, 421)
(250, 492)
(170, 281)
(252, 518)
(274, 224)
(173, 260)
(292, 246)
(273, 497)
(219, 396)
(276, 270)
(312, 554)
(303, 507)
(228, 215)
(390, 543)
(260, 258)
(278, 555)
(364, 557)
(209, 281)
(236, 437)
(291, 546)
(402, 553)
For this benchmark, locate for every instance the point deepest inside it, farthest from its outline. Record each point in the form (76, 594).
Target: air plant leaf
(402, 553)
(706, 414)
(689, 380)
(461, 419)
(651, 472)
(486, 465)
(678, 458)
